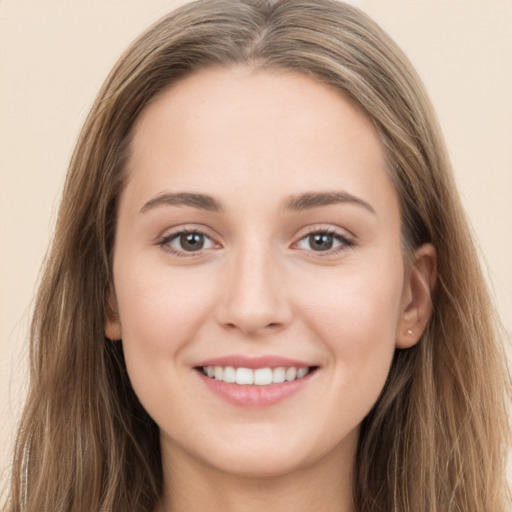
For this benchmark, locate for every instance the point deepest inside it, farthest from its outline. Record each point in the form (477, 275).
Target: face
(258, 241)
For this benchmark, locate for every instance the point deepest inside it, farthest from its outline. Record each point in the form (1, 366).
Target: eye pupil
(192, 241)
(321, 241)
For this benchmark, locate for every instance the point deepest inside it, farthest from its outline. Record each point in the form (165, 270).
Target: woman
(262, 291)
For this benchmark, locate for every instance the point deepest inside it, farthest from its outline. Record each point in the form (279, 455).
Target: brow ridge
(194, 200)
(306, 201)
(311, 200)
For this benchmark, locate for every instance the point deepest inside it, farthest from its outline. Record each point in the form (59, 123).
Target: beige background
(54, 55)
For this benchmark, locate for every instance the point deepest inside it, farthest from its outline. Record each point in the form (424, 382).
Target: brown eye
(321, 241)
(324, 242)
(185, 242)
(191, 241)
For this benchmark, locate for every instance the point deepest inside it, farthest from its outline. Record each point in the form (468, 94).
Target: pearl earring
(410, 333)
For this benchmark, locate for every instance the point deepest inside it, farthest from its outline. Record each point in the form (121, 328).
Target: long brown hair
(437, 438)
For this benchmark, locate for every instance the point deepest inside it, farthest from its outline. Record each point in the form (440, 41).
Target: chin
(263, 454)
(256, 465)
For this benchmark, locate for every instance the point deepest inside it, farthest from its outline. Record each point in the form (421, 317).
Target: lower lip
(254, 396)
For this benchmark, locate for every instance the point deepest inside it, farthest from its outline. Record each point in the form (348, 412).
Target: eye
(185, 241)
(326, 241)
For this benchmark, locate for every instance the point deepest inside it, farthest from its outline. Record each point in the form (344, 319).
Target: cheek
(360, 300)
(355, 315)
(160, 311)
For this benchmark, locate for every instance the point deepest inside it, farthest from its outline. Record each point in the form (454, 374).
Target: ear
(417, 296)
(112, 323)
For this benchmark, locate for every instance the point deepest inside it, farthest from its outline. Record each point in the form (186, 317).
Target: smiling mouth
(255, 377)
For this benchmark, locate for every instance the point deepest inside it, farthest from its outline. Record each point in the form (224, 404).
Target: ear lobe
(112, 323)
(417, 297)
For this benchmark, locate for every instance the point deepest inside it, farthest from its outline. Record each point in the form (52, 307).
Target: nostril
(272, 325)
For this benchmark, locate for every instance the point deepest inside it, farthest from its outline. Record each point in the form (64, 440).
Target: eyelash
(164, 242)
(345, 242)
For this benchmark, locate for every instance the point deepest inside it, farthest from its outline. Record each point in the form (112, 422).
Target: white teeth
(302, 372)
(244, 376)
(258, 377)
(291, 373)
(263, 376)
(229, 374)
(279, 375)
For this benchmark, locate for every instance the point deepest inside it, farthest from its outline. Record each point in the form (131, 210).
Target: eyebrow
(297, 203)
(199, 201)
(317, 199)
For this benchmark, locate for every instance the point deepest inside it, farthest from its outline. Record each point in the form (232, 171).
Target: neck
(191, 486)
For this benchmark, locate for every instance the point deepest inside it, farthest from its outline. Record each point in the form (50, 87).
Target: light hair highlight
(436, 440)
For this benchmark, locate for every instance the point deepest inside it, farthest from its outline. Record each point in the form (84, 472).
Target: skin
(252, 139)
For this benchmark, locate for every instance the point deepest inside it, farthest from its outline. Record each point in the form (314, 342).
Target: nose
(255, 298)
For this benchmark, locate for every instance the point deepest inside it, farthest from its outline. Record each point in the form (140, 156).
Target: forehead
(252, 98)
(248, 129)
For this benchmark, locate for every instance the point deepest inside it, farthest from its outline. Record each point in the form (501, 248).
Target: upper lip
(241, 361)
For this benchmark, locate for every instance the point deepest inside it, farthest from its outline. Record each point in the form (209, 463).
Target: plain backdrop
(54, 55)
